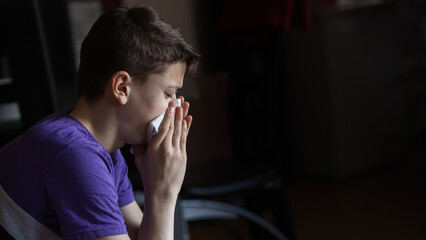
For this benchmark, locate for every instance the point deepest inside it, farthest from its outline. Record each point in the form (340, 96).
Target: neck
(99, 120)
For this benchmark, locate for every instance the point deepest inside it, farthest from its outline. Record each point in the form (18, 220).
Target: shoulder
(59, 135)
(62, 128)
(83, 170)
(82, 159)
(42, 145)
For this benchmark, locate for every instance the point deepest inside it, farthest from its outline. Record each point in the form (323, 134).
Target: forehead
(172, 75)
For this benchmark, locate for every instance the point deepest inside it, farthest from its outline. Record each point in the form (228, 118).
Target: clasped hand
(162, 164)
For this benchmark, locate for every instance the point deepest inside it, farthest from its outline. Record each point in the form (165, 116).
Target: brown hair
(135, 40)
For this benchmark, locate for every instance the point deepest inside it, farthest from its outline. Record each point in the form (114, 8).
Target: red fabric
(254, 21)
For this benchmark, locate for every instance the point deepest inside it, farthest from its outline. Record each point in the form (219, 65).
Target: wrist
(164, 198)
(157, 207)
(158, 217)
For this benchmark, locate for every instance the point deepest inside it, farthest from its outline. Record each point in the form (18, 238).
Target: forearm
(158, 219)
(162, 166)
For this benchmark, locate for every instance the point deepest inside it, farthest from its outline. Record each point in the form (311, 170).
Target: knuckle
(168, 152)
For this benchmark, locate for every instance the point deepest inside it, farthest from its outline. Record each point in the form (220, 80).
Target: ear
(120, 83)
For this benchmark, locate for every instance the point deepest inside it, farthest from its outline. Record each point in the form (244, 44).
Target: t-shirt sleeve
(82, 190)
(125, 188)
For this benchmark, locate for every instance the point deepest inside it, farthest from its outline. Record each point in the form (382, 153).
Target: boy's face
(149, 99)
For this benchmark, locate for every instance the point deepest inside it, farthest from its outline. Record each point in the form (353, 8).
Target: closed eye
(171, 91)
(168, 95)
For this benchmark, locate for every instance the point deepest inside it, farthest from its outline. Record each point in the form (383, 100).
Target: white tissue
(155, 124)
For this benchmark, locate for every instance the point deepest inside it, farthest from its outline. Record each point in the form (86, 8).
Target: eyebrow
(176, 87)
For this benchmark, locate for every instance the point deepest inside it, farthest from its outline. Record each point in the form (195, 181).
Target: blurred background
(309, 113)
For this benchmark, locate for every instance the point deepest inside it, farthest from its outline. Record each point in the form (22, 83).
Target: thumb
(139, 153)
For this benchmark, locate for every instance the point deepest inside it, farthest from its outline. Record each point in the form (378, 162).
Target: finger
(185, 107)
(188, 120)
(165, 126)
(182, 99)
(172, 104)
(184, 135)
(177, 126)
(169, 135)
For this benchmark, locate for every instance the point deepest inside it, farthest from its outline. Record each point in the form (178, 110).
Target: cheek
(157, 108)
(143, 118)
(147, 105)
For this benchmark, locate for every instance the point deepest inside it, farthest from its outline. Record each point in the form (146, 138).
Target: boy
(67, 171)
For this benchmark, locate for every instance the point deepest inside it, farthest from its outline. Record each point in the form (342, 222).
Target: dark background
(334, 103)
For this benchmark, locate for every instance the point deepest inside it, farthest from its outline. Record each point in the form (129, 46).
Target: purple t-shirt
(59, 174)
